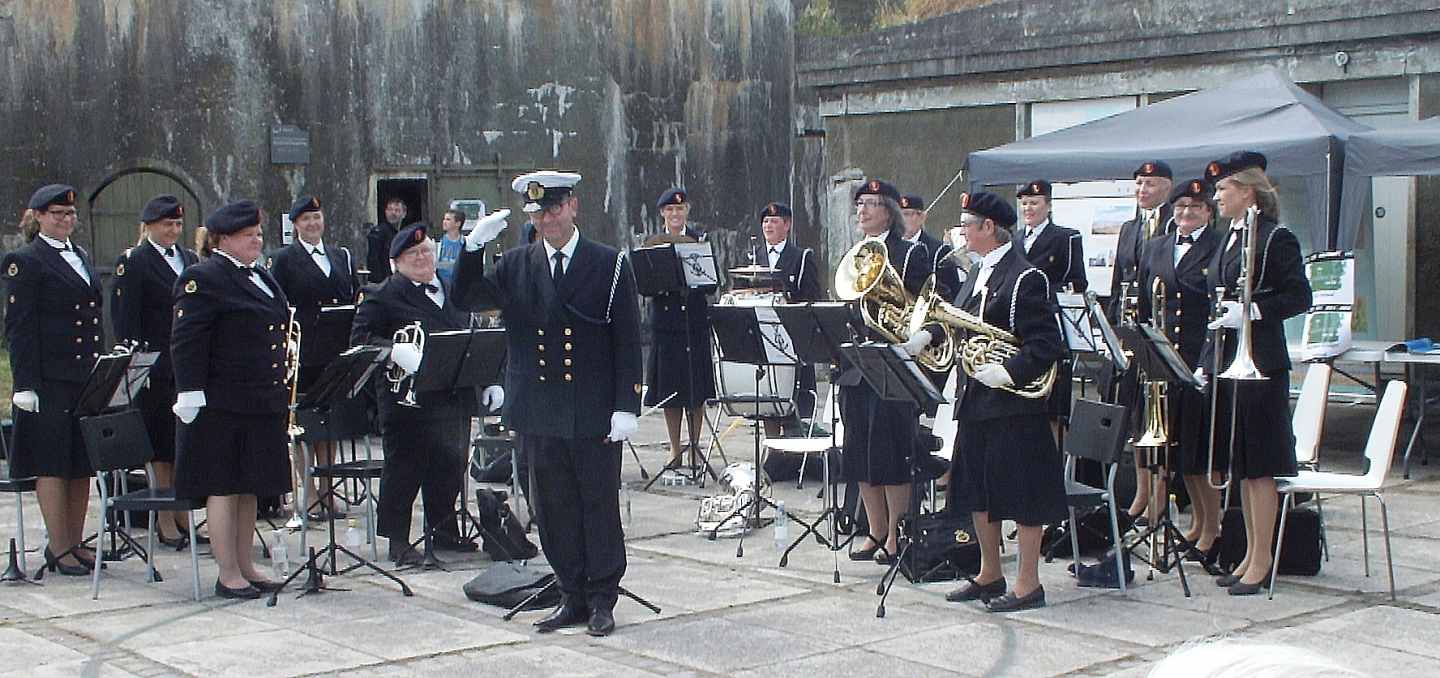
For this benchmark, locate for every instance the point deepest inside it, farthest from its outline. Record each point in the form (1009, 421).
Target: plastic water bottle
(782, 527)
(353, 537)
(279, 554)
(625, 505)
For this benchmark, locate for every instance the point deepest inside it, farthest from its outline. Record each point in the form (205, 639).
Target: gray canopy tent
(1299, 135)
(1413, 149)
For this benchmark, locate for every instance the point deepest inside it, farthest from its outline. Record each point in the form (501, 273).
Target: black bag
(1300, 556)
(1093, 535)
(495, 470)
(944, 548)
(504, 535)
(1102, 575)
(509, 584)
(785, 466)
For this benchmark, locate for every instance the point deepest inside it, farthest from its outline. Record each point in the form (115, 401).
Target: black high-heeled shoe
(54, 565)
(868, 554)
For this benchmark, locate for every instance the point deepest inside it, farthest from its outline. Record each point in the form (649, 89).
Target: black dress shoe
(564, 616)
(265, 585)
(1240, 588)
(1225, 581)
(1012, 603)
(884, 557)
(602, 622)
(405, 555)
(247, 593)
(54, 565)
(868, 554)
(971, 590)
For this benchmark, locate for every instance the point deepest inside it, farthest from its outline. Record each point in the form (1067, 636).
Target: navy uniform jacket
(308, 288)
(573, 351)
(1019, 300)
(1282, 291)
(142, 304)
(1187, 299)
(797, 268)
(391, 305)
(947, 275)
(671, 312)
(377, 251)
(1059, 254)
(52, 323)
(1127, 258)
(228, 338)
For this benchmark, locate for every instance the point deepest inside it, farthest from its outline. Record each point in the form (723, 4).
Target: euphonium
(292, 368)
(865, 274)
(1242, 367)
(414, 333)
(984, 343)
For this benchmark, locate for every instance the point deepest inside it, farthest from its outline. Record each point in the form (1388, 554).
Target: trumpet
(414, 333)
(983, 344)
(865, 275)
(292, 369)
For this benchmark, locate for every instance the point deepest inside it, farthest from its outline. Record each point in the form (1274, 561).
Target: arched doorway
(115, 205)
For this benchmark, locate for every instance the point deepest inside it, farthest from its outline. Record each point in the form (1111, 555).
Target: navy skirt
(223, 453)
(1010, 468)
(48, 443)
(1264, 440)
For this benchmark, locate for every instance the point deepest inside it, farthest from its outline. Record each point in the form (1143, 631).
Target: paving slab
(1395, 628)
(140, 628)
(1132, 620)
(268, 653)
(1352, 652)
(717, 644)
(847, 618)
(853, 661)
(1002, 647)
(420, 633)
(1209, 599)
(25, 650)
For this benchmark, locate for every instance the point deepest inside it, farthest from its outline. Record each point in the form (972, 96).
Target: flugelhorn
(414, 333)
(983, 343)
(1242, 367)
(865, 275)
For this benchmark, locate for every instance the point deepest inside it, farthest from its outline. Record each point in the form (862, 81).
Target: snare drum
(735, 383)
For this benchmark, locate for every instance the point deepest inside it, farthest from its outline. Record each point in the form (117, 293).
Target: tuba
(413, 333)
(865, 275)
(983, 343)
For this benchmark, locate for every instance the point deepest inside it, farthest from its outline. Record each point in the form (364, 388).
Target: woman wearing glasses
(52, 324)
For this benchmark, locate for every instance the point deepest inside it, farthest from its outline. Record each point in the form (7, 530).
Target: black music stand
(1158, 359)
(326, 336)
(677, 268)
(341, 380)
(112, 385)
(818, 330)
(740, 338)
(895, 376)
(455, 360)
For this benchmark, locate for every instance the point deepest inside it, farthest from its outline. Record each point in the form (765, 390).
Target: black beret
(1234, 163)
(674, 196)
(408, 237)
(303, 204)
(1198, 189)
(1154, 168)
(232, 217)
(878, 187)
(162, 207)
(989, 206)
(53, 194)
(910, 201)
(1038, 187)
(775, 209)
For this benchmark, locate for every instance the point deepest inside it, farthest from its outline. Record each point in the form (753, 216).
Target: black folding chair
(116, 443)
(1097, 433)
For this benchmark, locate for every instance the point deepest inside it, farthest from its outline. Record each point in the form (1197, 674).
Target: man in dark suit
(424, 444)
(942, 265)
(1005, 462)
(802, 283)
(572, 322)
(313, 276)
(1152, 218)
(379, 237)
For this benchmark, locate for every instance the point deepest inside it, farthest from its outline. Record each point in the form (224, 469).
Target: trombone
(292, 370)
(1242, 366)
(414, 333)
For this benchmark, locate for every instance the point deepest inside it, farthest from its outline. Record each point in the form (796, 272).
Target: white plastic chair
(813, 445)
(1379, 450)
(1308, 422)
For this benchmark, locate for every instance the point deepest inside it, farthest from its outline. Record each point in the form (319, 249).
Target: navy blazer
(573, 348)
(142, 302)
(1059, 253)
(797, 270)
(942, 265)
(672, 312)
(228, 337)
(1187, 299)
(1281, 291)
(52, 322)
(309, 289)
(1018, 299)
(1127, 258)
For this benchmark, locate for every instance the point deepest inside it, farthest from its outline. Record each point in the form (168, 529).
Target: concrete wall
(638, 95)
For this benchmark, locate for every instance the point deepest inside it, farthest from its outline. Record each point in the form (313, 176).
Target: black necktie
(559, 270)
(169, 251)
(1185, 240)
(432, 288)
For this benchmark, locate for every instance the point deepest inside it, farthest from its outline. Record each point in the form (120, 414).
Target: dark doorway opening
(414, 192)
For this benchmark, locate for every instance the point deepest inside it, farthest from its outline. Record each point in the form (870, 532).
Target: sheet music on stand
(779, 346)
(115, 381)
(328, 336)
(697, 264)
(1087, 330)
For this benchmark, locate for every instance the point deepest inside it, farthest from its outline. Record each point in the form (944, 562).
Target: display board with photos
(1328, 328)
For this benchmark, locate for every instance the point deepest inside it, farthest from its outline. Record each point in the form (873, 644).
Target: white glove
(407, 356)
(917, 343)
(187, 405)
(1201, 377)
(622, 426)
(486, 230)
(493, 397)
(1230, 318)
(27, 400)
(994, 376)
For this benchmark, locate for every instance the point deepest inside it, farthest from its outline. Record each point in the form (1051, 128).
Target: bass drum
(735, 382)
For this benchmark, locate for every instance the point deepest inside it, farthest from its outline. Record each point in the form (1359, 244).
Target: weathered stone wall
(638, 95)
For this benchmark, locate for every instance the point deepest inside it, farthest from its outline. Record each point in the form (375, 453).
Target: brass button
(274, 365)
(569, 346)
(77, 307)
(79, 340)
(276, 382)
(539, 333)
(97, 337)
(542, 362)
(95, 355)
(274, 346)
(567, 362)
(79, 323)
(542, 377)
(78, 356)
(94, 321)
(568, 377)
(269, 328)
(682, 307)
(1179, 312)
(540, 348)
(568, 332)
(334, 301)
(92, 304)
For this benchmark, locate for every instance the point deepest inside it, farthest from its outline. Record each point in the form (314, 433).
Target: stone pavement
(724, 615)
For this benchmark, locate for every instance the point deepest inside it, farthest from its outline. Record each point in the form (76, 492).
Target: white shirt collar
(1032, 232)
(1237, 224)
(308, 247)
(175, 248)
(1195, 234)
(914, 238)
(994, 257)
(53, 242)
(568, 249)
(779, 247)
(232, 259)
